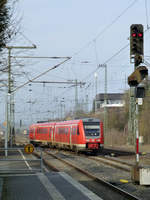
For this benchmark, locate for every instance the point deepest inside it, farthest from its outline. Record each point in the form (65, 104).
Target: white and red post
(137, 135)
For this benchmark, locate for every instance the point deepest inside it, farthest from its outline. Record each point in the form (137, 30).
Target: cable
(106, 28)
(96, 54)
(108, 60)
(27, 39)
(115, 20)
(43, 73)
(146, 12)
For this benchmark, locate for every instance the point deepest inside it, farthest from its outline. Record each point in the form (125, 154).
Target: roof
(110, 96)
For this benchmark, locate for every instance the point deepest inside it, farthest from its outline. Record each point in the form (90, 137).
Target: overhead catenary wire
(109, 59)
(43, 73)
(146, 13)
(97, 36)
(105, 29)
(27, 39)
(112, 56)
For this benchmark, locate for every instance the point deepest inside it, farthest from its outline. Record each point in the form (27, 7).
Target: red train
(77, 135)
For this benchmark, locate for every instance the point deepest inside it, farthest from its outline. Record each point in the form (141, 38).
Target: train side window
(78, 131)
(74, 131)
(45, 130)
(66, 131)
(31, 131)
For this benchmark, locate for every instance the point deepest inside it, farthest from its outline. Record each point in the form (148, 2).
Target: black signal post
(136, 91)
(136, 57)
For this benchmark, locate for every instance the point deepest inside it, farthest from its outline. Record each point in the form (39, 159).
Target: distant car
(77, 135)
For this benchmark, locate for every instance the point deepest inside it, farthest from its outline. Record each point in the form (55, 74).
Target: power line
(115, 20)
(146, 12)
(106, 28)
(108, 60)
(43, 73)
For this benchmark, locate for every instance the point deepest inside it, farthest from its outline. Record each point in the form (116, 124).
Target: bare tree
(9, 27)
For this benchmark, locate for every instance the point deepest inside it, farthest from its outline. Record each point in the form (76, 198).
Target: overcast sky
(92, 33)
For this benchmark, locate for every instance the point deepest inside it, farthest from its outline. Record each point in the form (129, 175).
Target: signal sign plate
(29, 148)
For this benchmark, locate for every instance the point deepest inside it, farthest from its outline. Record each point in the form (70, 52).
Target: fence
(15, 160)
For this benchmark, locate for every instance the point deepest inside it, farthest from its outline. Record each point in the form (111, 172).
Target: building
(114, 100)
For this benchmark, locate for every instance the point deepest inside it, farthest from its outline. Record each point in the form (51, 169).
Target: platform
(43, 186)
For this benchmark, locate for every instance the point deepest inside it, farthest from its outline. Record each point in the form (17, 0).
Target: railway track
(114, 162)
(97, 185)
(111, 161)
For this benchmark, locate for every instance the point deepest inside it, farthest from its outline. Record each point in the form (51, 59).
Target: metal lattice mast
(105, 100)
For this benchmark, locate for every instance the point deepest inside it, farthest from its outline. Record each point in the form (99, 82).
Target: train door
(70, 138)
(74, 134)
(54, 133)
(34, 133)
(51, 134)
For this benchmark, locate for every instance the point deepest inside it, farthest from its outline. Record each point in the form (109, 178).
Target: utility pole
(87, 103)
(136, 57)
(10, 99)
(105, 99)
(76, 97)
(96, 76)
(138, 75)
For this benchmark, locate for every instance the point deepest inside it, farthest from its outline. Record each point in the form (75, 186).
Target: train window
(78, 131)
(66, 131)
(62, 130)
(42, 130)
(74, 131)
(31, 131)
(92, 129)
(45, 130)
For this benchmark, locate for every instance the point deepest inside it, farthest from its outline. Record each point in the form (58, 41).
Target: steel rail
(98, 180)
(114, 163)
(119, 164)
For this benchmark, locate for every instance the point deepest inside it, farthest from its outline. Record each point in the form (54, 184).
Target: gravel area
(109, 174)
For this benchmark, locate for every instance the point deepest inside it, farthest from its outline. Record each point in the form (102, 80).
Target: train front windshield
(92, 129)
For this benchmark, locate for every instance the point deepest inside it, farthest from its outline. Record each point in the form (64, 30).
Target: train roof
(90, 120)
(66, 122)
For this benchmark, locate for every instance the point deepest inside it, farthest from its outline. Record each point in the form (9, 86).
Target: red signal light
(140, 34)
(133, 34)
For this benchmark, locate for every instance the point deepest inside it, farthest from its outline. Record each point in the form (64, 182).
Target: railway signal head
(137, 76)
(136, 39)
(140, 91)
